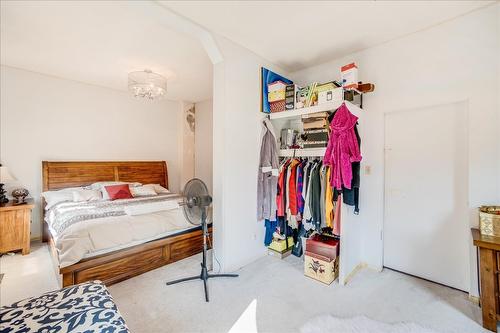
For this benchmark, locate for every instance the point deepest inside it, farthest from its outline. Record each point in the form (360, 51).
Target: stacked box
(276, 96)
(349, 75)
(323, 245)
(290, 92)
(277, 106)
(280, 245)
(279, 254)
(321, 268)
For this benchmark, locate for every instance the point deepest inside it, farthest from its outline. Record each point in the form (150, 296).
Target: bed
(87, 307)
(126, 260)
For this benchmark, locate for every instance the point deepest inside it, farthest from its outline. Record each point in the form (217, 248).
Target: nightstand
(15, 223)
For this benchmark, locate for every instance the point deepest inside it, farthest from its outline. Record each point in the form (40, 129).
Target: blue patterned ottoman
(83, 308)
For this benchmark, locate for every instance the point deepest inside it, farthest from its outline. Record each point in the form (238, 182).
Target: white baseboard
(474, 299)
(356, 269)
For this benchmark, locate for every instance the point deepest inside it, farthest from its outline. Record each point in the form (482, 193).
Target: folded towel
(151, 207)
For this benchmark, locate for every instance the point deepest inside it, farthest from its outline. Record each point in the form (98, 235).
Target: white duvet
(97, 236)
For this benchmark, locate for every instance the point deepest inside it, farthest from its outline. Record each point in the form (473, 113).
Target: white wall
(498, 99)
(46, 118)
(186, 145)
(203, 143)
(455, 61)
(238, 236)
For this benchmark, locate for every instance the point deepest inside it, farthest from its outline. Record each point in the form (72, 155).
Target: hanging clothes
(270, 228)
(281, 190)
(292, 195)
(329, 201)
(300, 185)
(307, 216)
(337, 217)
(343, 148)
(267, 180)
(351, 196)
(322, 199)
(315, 197)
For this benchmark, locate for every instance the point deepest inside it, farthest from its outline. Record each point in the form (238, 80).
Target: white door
(426, 185)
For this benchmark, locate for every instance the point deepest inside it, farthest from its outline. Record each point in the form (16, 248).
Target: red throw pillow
(118, 191)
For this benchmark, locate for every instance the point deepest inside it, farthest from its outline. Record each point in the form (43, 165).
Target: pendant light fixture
(147, 84)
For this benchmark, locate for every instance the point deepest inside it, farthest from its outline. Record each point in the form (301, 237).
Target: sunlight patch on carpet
(247, 322)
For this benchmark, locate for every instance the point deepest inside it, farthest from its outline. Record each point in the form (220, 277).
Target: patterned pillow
(87, 307)
(118, 192)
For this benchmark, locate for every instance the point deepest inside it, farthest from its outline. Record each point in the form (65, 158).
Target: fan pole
(204, 270)
(204, 275)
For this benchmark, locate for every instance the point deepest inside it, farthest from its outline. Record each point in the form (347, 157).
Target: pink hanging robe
(342, 149)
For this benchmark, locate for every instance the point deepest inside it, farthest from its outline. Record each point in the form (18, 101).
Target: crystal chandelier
(147, 84)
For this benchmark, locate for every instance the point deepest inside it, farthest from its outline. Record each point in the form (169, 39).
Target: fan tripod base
(203, 276)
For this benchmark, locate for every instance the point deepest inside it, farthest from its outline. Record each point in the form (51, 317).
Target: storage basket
(489, 220)
(277, 106)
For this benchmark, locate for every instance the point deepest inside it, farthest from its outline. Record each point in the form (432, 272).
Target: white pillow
(86, 195)
(100, 186)
(158, 188)
(141, 191)
(54, 197)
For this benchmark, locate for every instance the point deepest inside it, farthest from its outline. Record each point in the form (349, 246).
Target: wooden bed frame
(121, 264)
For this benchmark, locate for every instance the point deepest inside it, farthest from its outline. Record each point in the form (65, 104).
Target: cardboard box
(280, 255)
(326, 96)
(276, 85)
(349, 76)
(320, 268)
(290, 92)
(279, 245)
(277, 95)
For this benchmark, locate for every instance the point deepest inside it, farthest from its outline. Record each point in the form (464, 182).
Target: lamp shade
(5, 175)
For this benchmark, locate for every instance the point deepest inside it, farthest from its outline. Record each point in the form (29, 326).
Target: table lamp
(5, 176)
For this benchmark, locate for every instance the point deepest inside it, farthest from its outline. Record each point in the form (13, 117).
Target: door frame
(466, 102)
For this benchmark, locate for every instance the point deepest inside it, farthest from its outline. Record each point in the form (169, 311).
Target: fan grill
(194, 190)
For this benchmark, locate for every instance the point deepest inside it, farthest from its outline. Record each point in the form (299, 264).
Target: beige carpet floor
(271, 295)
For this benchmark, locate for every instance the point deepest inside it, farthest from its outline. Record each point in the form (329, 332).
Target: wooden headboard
(58, 175)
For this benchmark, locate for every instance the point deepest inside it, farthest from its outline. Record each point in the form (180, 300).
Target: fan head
(196, 200)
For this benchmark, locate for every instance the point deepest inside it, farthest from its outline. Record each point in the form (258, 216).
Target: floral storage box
(321, 268)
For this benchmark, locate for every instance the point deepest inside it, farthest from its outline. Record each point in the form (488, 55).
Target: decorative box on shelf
(277, 106)
(321, 268)
(276, 96)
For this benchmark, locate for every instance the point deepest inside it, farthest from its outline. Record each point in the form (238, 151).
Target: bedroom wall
(203, 143)
(238, 236)
(498, 99)
(451, 62)
(47, 118)
(186, 140)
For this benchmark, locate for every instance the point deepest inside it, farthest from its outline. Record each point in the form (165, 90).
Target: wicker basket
(489, 220)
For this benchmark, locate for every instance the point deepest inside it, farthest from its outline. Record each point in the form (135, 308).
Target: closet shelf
(306, 152)
(312, 109)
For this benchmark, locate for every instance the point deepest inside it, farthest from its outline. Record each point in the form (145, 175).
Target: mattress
(86, 307)
(142, 241)
(85, 230)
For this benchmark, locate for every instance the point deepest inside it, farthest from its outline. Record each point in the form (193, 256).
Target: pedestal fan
(196, 201)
